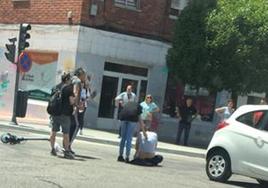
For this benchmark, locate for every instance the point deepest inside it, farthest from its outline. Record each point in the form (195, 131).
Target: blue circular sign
(25, 63)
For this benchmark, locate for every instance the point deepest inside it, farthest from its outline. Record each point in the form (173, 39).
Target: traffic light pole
(14, 115)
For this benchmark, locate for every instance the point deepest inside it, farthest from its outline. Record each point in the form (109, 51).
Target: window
(256, 119)
(128, 3)
(176, 94)
(126, 69)
(176, 7)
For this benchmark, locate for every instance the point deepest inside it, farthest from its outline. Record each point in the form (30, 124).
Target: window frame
(260, 125)
(125, 4)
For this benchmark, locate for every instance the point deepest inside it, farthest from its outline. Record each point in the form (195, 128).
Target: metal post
(14, 119)
(14, 115)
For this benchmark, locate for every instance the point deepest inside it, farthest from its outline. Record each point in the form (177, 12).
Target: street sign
(25, 63)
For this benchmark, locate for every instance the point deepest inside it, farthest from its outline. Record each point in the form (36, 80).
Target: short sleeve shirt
(187, 113)
(126, 97)
(149, 145)
(227, 113)
(147, 108)
(67, 92)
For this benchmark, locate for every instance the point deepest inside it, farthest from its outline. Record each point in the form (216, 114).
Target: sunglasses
(149, 97)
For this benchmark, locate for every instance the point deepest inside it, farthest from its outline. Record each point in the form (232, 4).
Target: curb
(101, 141)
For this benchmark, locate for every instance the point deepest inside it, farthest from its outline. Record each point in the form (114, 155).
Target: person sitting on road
(145, 150)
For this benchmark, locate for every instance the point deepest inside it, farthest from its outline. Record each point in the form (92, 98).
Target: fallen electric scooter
(9, 138)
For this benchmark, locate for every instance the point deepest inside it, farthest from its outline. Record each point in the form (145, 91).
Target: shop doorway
(115, 83)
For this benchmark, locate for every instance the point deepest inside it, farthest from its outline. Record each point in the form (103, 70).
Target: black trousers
(148, 162)
(73, 129)
(186, 127)
(81, 119)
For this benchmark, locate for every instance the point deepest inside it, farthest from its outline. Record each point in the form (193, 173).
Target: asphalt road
(30, 165)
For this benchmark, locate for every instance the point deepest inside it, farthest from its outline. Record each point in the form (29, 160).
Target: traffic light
(24, 35)
(11, 48)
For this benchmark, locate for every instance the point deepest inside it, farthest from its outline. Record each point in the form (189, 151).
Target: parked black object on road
(8, 138)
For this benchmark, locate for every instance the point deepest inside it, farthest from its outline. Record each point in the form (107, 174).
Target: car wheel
(218, 166)
(263, 183)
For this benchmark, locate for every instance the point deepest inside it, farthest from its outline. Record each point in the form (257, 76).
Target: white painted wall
(122, 47)
(44, 37)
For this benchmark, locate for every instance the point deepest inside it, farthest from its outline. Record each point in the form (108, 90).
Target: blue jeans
(127, 131)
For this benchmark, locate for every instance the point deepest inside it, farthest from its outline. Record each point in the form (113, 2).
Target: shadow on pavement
(76, 159)
(81, 158)
(86, 157)
(244, 184)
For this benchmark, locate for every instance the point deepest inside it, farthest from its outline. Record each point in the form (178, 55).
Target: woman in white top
(84, 98)
(226, 111)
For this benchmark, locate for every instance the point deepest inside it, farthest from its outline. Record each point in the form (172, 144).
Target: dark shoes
(127, 160)
(72, 152)
(53, 152)
(68, 155)
(121, 159)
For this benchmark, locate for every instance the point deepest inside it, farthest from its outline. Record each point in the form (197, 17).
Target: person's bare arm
(142, 126)
(156, 110)
(118, 100)
(76, 91)
(137, 146)
(72, 100)
(220, 110)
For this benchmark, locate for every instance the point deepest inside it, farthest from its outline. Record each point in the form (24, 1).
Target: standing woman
(84, 99)
(148, 108)
(226, 111)
(77, 80)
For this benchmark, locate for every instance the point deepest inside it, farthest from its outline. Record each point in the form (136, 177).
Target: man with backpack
(60, 108)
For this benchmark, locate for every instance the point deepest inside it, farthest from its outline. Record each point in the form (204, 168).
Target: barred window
(128, 3)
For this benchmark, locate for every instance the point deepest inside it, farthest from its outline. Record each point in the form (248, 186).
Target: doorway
(115, 83)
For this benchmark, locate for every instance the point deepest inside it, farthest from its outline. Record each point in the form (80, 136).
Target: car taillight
(222, 125)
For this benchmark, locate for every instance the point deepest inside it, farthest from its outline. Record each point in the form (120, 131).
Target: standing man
(187, 113)
(129, 116)
(77, 80)
(123, 98)
(63, 120)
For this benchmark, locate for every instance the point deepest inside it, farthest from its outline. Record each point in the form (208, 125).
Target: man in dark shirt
(129, 116)
(63, 120)
(187, 113)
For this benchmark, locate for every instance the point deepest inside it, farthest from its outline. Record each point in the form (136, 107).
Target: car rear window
(255, 119)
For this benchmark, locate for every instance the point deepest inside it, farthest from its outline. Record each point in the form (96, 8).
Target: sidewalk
(103, 137)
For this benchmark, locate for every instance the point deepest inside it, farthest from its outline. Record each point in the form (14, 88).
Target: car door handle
(259, 141)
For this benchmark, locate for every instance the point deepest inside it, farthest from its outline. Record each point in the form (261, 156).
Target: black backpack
(54, 107)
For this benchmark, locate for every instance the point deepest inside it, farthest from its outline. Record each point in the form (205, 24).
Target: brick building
(118, 42)
(134, 17)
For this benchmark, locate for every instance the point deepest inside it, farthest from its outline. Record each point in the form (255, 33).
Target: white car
(240, 146)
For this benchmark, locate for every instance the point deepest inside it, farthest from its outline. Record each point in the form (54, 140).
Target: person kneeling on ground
(145, 150)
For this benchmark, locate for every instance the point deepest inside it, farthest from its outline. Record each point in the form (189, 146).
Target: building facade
(119, 42)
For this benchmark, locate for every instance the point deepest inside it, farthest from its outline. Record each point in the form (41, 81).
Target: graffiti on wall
(42, 76)
(4, 84)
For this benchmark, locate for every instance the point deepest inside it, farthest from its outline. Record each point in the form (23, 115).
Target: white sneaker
(81, 132)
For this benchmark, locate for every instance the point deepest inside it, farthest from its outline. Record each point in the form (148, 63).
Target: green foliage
(222, 45)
